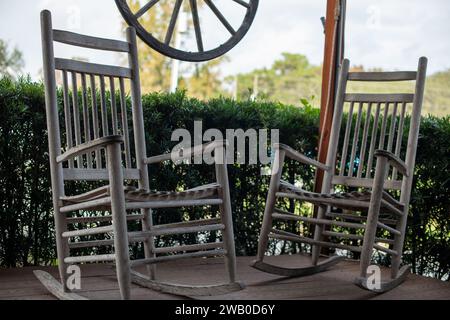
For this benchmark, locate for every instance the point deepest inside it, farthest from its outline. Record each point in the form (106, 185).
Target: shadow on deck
(98, 282)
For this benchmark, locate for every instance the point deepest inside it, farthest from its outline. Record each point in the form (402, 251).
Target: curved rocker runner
(296, 272)
(55, 287)
(185, 290)
(385, 285)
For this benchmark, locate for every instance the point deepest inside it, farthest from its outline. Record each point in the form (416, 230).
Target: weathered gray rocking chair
(90, 130)
(370, 208)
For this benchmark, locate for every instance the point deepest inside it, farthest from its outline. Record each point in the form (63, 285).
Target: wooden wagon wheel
(165, 48)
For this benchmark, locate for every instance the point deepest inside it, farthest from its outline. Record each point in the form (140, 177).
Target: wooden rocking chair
(369, 207)
(90, 130)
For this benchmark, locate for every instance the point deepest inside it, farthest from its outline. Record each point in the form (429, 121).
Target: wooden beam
(333, 55)
(329, 75)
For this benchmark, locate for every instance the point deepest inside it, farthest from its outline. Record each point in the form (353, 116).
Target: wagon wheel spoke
(196, 21)
(163, 45)
(173, 21)
(145, 8)
(219, 15)
(242, 3)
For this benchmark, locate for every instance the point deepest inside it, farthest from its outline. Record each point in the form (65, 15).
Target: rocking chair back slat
(383, 76)
(95, 122)
(86, 120)
(97, 174)
(90, 42)
(94, 68)
(124, 118)
(346, 140)
(398, 143)
(67, 115)
(392, 128)
(112, 90)
(364, 182)
(104, 112)
(362, 153)
(383, 126)
(76, 116)
(373, 140)
(355, 140)
(379, 97)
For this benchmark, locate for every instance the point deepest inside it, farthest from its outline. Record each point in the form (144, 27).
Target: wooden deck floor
(98, 282)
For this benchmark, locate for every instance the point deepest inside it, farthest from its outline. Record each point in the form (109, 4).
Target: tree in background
(202, 80)
(289, 80)
(294, 80)
(205, 82)
(11, 62)
(154, 67)
(437, 94)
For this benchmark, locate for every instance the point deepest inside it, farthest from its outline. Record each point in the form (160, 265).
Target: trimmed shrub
(26, 223)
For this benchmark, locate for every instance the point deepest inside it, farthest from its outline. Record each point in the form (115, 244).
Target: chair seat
(355, 200)
(133, 194)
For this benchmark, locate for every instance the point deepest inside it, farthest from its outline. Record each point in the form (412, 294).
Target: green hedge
(26, 223)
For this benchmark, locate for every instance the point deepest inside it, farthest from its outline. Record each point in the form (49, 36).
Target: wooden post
(277, 169)
(333, 55)
(119, 219)
(330, 160)
(54, 142)
(139, 136)
(410, 161)
(226, 214)
(372, 215)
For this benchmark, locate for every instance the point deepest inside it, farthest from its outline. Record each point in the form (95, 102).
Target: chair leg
(318, 237)
(119, 220)
(62, 247)
(270, 203)
(149, 245)
(227, 220)
(228, 240)
(372, 215)
(398, 245)
(259, 264)
(398, 275)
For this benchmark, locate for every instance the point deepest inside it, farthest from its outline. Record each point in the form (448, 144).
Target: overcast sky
(391, 34)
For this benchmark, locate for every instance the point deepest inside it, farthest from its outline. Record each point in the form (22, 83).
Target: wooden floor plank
(99, 282)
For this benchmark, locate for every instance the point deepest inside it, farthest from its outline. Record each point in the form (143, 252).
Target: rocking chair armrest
(187, 153)
(393, 160)
(295, 155)
(89, 147)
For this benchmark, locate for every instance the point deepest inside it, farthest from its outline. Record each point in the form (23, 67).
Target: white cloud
(407, 30)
